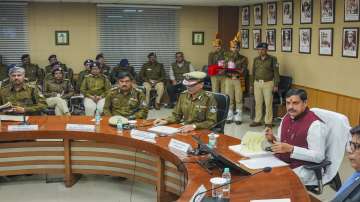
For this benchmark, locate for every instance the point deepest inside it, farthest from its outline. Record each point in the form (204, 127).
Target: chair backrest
(338, 135)
(223, 102)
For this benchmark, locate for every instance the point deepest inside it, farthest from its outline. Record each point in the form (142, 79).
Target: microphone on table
(264, 170)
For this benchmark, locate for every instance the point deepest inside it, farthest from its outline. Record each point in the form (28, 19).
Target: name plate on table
(80, 127)
(179, 145)
(23, 127)
(143, 135)
(198, 197)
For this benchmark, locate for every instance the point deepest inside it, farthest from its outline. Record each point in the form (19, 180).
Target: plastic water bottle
(97, 117)
(212, 140)
(119, 126)
(226, 189)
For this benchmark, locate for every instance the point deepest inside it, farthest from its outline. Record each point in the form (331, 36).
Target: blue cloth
(349, 182)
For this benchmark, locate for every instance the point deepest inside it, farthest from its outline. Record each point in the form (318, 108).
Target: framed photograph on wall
(351, 10)
(306, 11)
(286, 39)
(305, 40)
(350, 42)
(197, 38)
(326, 41)
(257, 14)
(244, 38)
(327, 11)
(256, 37)
(62, 38)
(245, 16)
(271, 39)
(287, 12)
(271, 13)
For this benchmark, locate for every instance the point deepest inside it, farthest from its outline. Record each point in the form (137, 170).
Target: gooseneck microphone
(265, 170)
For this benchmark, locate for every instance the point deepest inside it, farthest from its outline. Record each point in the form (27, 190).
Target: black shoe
(238, 122)
(255, 124)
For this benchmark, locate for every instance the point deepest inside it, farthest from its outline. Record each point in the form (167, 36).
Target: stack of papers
(262, 162)
(252, 145)
(164, 130)
(143, 135)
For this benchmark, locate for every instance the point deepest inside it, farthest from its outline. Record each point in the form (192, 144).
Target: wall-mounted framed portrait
(62, 38)
(245, 16)
(271, 39)
(286, 39)
(327, 11)
(197, 38)
(244, 38)
(351, 10)
(350, 42)
(306, 11)
(256, 37)
(287, 12)
(305, 40)
(326, 41)
(257, 14)
(271, 13)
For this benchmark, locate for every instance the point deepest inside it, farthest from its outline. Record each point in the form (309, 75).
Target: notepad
(164, 130)
(262, 162)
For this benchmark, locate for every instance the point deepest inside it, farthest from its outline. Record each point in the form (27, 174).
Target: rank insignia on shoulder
(213, 109)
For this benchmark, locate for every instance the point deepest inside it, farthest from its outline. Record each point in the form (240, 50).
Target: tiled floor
(108, 189)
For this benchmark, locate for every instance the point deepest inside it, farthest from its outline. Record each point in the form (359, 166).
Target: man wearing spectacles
(350, 191)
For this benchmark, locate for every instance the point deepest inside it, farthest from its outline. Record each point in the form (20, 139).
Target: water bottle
(226, 189)
(119, 126)
(212, 140)
(97, 117)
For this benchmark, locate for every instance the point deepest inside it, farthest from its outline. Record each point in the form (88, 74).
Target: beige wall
(197, 19)
(330, 73)
(80, 21)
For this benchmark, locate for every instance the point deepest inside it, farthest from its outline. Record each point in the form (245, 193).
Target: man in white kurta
(301, 137)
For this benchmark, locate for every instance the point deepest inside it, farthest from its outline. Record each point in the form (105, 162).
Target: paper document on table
(165, 130)
(13, 118)
(5, 106)
(252, 145)
(262, 162)
(272, 200)
(143, 135)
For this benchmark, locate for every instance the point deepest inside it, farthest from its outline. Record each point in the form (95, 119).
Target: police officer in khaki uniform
(33, 72)
(94, 87)
(68, 72)
(235, 65)
(265, 81)
(83, 73)
(177, 70)
(195, 107)
(153, 75)
(125, 100)
(24, 98)
(216, 57)
(57, 91)
(105, 69)
(123, 66)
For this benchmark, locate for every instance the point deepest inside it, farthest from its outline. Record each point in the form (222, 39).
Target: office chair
(223, 102)
(338, 135)
(279, 96)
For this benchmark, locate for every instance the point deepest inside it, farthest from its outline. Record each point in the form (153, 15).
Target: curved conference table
(53, 150)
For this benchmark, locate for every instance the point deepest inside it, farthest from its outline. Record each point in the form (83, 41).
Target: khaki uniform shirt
(81, 77)
(241, 62)
(200, 110)
(153, 71)
(133, 103)
(214, 57)
(267, 69)
(3, 72)
(68, 72)
(53, 87)
(95, 85)
(28, 97)
(34, 73)
(115, 72)
(105, 69)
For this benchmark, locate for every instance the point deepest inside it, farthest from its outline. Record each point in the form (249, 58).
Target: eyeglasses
(352, 146)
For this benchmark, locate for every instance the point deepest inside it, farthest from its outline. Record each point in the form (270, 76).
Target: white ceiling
(163, 2)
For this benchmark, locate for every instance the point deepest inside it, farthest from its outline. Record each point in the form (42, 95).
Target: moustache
(291, 110)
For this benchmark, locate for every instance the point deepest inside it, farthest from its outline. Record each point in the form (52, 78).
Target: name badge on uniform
(149, 69)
